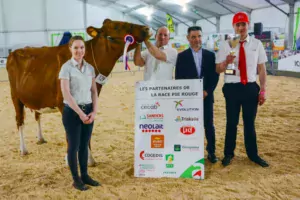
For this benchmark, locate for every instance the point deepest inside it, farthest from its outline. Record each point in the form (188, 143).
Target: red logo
(142, 155)
(187, 130)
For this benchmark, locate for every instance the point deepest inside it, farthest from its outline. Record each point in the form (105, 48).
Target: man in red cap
(240, 89)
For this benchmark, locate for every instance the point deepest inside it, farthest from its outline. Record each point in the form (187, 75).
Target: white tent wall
(206, 26)
(1, 18)
(24, 24)
(182, 28)
(272, 19)
(127, 18)
(65, 15)
(226, 23)
(2, 35)
(21, 16)
(32, 22)
(96, 15)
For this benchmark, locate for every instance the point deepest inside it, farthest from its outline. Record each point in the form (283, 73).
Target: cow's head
(115, 31)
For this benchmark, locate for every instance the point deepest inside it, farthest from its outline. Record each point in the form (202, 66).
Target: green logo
(169, 158)
(194, 171)
(177, 147)
(178, 103)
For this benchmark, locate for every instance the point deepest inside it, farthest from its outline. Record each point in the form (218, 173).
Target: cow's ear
(106, 21)
(92, 31)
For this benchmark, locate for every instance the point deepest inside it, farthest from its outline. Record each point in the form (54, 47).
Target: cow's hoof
(24, 153)
(91, 163)
(41, 141)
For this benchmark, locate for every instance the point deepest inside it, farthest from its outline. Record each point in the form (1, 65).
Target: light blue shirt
(198, 60)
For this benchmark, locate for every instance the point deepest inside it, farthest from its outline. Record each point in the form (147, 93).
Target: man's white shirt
(159, 70)
(255, 54)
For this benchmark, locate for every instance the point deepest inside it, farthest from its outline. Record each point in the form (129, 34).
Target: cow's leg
(40, 137)
(91, 161)
(60, 108)
(20, 112)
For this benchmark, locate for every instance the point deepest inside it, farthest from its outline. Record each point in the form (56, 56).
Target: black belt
(82, 106)
(237, 83)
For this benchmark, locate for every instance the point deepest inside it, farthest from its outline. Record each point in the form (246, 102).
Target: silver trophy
(233, 42)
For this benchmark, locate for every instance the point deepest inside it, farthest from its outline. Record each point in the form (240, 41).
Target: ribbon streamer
(129, 40)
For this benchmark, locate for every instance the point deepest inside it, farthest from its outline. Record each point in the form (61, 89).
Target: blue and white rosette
(129, 40)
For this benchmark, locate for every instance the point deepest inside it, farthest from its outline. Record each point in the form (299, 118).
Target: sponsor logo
(169, 158)
(187, 119)
(178, 147)
(178, 103)
(146, 167)
(157, 141)
(169, 173)
(179, 106)
(142, 172)
(194, 171)
(196, 174)
(153, 117)
(151, 128)
(187, 130)
(150, 106)
(151, 156)
(297, 63)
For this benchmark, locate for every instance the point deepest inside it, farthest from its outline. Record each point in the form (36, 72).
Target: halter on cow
(33, 72)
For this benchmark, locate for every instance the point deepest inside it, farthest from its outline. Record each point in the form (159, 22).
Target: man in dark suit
(199, 63)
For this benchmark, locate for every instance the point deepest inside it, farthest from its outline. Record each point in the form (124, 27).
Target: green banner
(56, 36)
(170, 23)
(296, 28)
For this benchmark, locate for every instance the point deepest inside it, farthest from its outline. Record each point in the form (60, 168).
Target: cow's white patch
(91, 161)
(39, 131)
(22, 142)
(47, 110)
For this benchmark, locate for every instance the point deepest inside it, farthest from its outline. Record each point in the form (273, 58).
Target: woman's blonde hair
(76, 37)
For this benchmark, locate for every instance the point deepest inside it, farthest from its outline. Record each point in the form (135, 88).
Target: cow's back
(33, 75)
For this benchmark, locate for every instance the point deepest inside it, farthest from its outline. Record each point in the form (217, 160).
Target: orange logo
(157, 141)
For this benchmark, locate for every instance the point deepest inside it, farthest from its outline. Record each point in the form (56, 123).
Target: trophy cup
(233, 42)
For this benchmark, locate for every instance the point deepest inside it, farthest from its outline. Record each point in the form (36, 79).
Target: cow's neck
(104, 54)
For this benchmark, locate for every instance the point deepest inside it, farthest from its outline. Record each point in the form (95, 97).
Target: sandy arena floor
(43, 175)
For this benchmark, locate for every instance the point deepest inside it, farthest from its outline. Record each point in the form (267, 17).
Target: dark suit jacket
(186, 69)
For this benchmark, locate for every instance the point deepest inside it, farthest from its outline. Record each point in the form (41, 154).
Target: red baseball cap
(240, 17)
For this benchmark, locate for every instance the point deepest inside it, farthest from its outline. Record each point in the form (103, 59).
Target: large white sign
(169, 130)
(291, 63)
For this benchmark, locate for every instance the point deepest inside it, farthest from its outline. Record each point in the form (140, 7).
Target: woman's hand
(84, 118)
(91, 117)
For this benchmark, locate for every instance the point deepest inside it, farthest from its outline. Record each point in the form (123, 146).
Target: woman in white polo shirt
(240, 88)
(77, 79)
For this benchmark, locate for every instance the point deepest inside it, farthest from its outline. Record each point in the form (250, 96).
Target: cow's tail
(13, 71)
(10, 65)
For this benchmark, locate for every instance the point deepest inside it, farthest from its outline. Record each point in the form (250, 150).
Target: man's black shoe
(212, 158)
(226, 160)
(79, 185)
(260, 162)
(89, 181)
